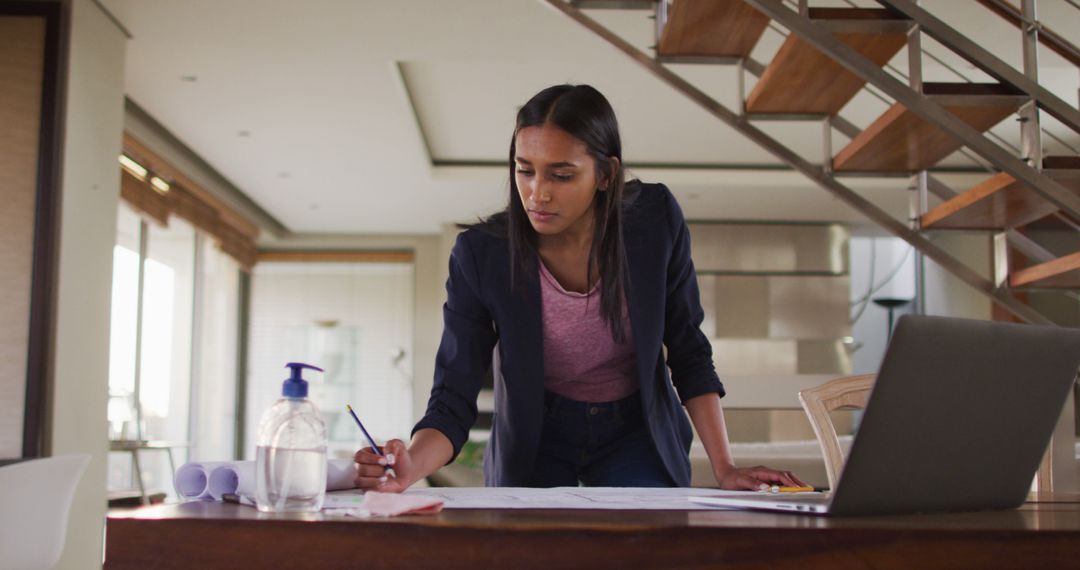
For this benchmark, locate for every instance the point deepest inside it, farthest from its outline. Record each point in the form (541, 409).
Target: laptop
(958, 420)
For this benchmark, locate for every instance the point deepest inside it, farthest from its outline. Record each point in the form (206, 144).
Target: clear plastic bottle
(290, 460)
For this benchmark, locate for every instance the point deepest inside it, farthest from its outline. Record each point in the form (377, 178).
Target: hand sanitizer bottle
(290, 460)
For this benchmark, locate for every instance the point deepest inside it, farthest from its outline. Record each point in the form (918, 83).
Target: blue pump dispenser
(295, 386)
(290, 457)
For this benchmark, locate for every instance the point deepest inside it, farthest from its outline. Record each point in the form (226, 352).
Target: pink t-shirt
(581, 359)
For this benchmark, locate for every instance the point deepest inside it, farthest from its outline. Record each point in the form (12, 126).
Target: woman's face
(556, 178)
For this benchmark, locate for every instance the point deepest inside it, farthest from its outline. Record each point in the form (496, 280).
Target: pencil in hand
(389, 470)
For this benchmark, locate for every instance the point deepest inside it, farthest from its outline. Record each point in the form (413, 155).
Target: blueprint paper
(607, 498)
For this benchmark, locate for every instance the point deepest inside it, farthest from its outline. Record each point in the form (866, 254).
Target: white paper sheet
(609, 498)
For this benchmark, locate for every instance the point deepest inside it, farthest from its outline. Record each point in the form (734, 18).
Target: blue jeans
(604, 444)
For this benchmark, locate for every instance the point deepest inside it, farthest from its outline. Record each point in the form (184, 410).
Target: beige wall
(22, 52)
(90, 189)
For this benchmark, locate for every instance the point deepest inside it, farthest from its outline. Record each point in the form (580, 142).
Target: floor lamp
(890, 304)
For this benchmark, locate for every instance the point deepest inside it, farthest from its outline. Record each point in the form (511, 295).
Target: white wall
(947, 295)
(89, 194)
(429, 276)
(353, 319)
(888, 254)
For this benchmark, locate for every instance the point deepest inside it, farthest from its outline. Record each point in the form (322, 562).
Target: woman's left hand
(753, 478)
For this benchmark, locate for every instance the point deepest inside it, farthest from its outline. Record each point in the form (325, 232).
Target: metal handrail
(1001, 140)
(983, 59)
(898, 72)
(1051, 39)
(1015, 238)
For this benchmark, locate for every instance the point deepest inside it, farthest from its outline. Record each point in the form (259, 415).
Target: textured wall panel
(22, 50)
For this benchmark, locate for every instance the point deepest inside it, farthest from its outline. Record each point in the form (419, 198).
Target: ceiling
(358, 117)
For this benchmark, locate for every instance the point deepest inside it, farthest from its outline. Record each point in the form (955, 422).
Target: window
(213, 396)
(176, 305)
(179, 360)
(167, 305)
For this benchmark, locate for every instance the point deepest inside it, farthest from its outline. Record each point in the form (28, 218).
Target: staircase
(832, 54)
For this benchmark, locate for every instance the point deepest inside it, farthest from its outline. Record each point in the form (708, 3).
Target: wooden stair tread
(968, 89)
(854, 13)
(614, 4)
(901, 141)
(711, 28)
(1062, 163)
(1063, 272)
(1001, 201)
(801, 79)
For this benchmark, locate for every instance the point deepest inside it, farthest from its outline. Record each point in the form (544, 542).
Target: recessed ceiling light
(243, 133)
(133, 167)
(159, 184)
(189, 78)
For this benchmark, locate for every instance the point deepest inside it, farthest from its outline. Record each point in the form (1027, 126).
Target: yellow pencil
(776, 489)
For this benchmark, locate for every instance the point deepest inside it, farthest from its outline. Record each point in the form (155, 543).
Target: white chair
(35, 498)
(846, 392)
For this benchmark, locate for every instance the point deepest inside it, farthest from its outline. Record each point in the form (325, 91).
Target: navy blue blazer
(482, 313)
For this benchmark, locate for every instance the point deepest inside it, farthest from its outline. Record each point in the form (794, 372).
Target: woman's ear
(613, 167)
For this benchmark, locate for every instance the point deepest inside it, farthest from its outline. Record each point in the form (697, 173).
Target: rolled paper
(238, 477)
(340, 474)
(192, 480)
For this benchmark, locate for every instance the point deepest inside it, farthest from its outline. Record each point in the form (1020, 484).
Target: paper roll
(340, 474)
(192, 480)
(238, 477)
(235, 477)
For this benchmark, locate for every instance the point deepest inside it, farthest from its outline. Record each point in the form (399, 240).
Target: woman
(571, 294)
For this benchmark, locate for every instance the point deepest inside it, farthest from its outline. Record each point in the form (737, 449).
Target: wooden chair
(853, 392)
(817, 402)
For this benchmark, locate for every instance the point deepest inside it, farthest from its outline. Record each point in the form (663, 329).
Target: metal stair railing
(936, 186)
(1001, 140)
(1050, 38)
(939, 188)
(927, 109)
(1022, 243)
(1031, 176)
(822, 176)
(980, 57)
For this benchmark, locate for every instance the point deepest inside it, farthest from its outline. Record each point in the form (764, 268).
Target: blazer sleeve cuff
(693, 387)
(448, 427)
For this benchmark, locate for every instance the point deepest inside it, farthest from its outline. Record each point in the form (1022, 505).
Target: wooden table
(214, 535)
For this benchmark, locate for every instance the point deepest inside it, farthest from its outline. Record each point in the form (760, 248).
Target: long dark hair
(586, 115)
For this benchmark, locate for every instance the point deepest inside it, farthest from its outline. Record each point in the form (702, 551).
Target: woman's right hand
(372, 473)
